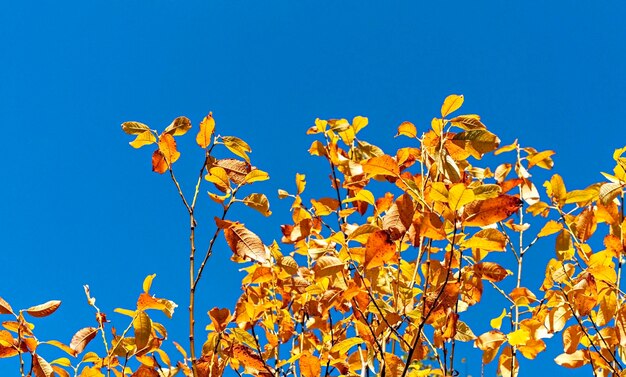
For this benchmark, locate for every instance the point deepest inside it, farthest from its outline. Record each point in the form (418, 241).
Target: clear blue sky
(81, 206)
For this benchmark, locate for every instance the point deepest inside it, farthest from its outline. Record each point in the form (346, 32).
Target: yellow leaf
(147, 282)
(237, 146)
(496, 323)
(256, 175)
(358, 123)
(218, 176)
(364, 196)
(144, 138)
(300, 183)
(518, 337)
(452, 103)
(407, 129)
(207, 127)
(344, 346)
(459, 195)
(437, 125)
(258, 202)
(551, 227)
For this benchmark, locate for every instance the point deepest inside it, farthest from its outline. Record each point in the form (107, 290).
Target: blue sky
(80, 206)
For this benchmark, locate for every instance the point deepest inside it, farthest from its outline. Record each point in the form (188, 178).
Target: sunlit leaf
(407, 129)
(489, 211)
(379, 249)
(573, 360)
(144, 138)
(310, 366)
(452, 103)
(245, 244)
(237, 146)
(381, 165)
(459, 195)
(549, 228)
(178, 127)
(258, 202)
(207, 127)
(5, 308)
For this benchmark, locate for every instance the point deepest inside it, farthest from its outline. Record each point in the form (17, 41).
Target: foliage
(378, 276)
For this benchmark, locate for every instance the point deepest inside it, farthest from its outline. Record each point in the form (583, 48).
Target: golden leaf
(41, 368)
(207, 127)
(144, 138)
(167, 146)
(237, 146)
(142, 324)
(147, 282)
(248, 357)
(134, 128)
(573, 360)
(256, 175)
(300, 183)
(258, 202)
(178, 127)
(468, 122)
(459, 195)
(452, 103)
(551, 227)
(407, 129)
(496, 323)
(490, 271)
(5, 308)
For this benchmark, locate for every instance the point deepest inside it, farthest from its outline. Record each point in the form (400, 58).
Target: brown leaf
(220, 318)
(573, 360)
(5, 308)
(236, 170)
(245, 244)
(44, 310)
(82, 338)
(490, 271)
(379, 249)
(489, 211)
(41, 368)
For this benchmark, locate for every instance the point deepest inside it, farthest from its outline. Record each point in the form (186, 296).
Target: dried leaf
(82, 338)
(134, 128)
(489, 211)
(45, 309)
(245, 244)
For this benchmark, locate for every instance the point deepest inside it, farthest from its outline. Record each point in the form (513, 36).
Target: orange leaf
(381, 165)
(41, 367)
(159, 165)
(167, 146)
(489, 211)
(407, 129)
(310, 365)
(247, 357)
(44, 310)
(379, 249)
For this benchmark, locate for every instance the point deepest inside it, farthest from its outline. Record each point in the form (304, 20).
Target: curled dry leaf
(245, 244)
(489, 211)
(45, 309)
(82, 338)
